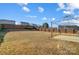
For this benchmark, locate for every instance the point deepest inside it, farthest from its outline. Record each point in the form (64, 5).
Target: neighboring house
(24, 23)
(34, 25)
(75, 27)
(3, 21)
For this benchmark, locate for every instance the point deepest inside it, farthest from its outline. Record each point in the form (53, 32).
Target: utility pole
(52, 27)
(51, 30)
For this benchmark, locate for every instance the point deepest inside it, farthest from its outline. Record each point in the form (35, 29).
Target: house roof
(7, 20)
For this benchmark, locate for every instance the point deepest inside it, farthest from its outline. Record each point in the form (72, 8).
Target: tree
(45, 25)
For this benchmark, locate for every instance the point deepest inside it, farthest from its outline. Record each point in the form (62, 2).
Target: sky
(39, 13)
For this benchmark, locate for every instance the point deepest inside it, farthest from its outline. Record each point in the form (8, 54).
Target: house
(24, 23)
(68, 28)
(3, 21)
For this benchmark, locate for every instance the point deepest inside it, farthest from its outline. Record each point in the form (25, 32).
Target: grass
(36, 43)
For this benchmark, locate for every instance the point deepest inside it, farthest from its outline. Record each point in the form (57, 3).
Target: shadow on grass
(2, 34)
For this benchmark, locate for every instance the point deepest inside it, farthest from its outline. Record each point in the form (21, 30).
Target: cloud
(40, 9)
(76, 17)
(74, 5)
(70, 22)
(25, 3)
(68, 8)
(53, 19)
(22, 4)
(74, 20)
(44, 18)
(61, 6)
(26, 9)
(67, 12)
(30, 16)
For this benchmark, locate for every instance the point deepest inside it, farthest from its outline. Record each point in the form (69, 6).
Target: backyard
(39, 42)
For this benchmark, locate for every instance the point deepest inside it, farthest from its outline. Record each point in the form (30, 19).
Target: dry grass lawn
(36, 43)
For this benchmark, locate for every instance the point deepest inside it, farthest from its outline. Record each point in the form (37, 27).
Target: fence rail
(73, 31)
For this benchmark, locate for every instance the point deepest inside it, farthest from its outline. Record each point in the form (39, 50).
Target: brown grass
(35, 42)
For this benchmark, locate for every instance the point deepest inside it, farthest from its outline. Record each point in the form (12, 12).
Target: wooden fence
(73, 31)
